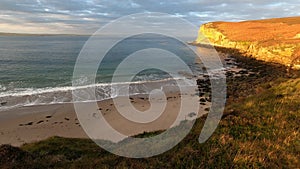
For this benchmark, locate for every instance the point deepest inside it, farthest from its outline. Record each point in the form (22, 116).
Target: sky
(87, 16)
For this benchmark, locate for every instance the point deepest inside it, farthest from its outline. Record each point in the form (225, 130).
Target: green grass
(261, 131)
(267, 127)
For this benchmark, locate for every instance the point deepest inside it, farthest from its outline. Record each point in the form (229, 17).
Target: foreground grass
(261, 131)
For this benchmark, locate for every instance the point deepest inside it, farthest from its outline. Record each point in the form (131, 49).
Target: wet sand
(35, 123)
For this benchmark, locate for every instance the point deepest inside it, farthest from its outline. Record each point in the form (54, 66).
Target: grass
(267, 128)
(259, 129)
(262, 131)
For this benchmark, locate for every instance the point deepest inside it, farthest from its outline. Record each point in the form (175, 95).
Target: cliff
(272, 40)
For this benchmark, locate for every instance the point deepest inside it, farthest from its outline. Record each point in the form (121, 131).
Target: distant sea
(38, 70)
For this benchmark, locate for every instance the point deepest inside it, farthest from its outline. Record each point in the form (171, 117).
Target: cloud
(86, 16)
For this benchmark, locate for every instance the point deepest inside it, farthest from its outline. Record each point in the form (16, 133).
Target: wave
(19, 97)
(69, 94)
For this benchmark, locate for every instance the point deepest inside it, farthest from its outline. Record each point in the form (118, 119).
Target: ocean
(37, 70)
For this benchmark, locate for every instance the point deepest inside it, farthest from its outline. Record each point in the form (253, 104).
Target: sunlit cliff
(272, 40)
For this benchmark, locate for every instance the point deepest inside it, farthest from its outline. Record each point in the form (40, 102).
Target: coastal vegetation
(259, 129)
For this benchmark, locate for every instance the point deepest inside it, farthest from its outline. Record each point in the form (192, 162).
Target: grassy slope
(268, 31)
(258, 131)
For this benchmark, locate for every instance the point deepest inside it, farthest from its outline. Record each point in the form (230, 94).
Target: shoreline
(257, 72)
(242, 132)
(29, 124)
(36, 123)
(53, 95)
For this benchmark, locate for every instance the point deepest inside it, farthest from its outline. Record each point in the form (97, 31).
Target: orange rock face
(274, 40)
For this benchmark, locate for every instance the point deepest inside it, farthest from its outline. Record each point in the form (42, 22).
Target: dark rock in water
(200, 81)
(243, 72)
(67, 119)
(207, 90)
(202, 100)
(205, 85)
(229, 74)
(252, 75)
(201, 94)
(3, 103)
(207, 81)
(48, 117)
(208, 99)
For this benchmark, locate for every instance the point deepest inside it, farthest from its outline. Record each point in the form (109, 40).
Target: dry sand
(35, 123)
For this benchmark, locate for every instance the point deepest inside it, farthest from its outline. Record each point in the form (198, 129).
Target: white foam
(34, 91)
(59, 95)
(2, 88)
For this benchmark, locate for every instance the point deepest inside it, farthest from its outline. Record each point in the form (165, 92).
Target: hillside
(272, 40)
(256, 134)
(259, 129)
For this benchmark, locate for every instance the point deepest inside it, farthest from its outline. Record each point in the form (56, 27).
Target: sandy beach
(35, 123)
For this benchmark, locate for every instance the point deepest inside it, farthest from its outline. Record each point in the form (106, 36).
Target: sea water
(37, 70)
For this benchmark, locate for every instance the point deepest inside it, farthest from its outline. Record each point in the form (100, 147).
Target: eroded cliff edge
(272, 40)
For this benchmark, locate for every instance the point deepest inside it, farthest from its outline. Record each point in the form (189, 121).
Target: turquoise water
(39, 69)
(37, 61)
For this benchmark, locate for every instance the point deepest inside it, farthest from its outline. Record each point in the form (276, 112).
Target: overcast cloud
(86, 16)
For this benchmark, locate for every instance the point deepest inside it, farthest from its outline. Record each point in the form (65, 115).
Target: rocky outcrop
(273, 40)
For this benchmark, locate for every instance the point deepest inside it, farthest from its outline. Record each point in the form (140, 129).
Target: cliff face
(272, 40)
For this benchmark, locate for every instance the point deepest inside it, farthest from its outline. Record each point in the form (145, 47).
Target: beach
(34, 123)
